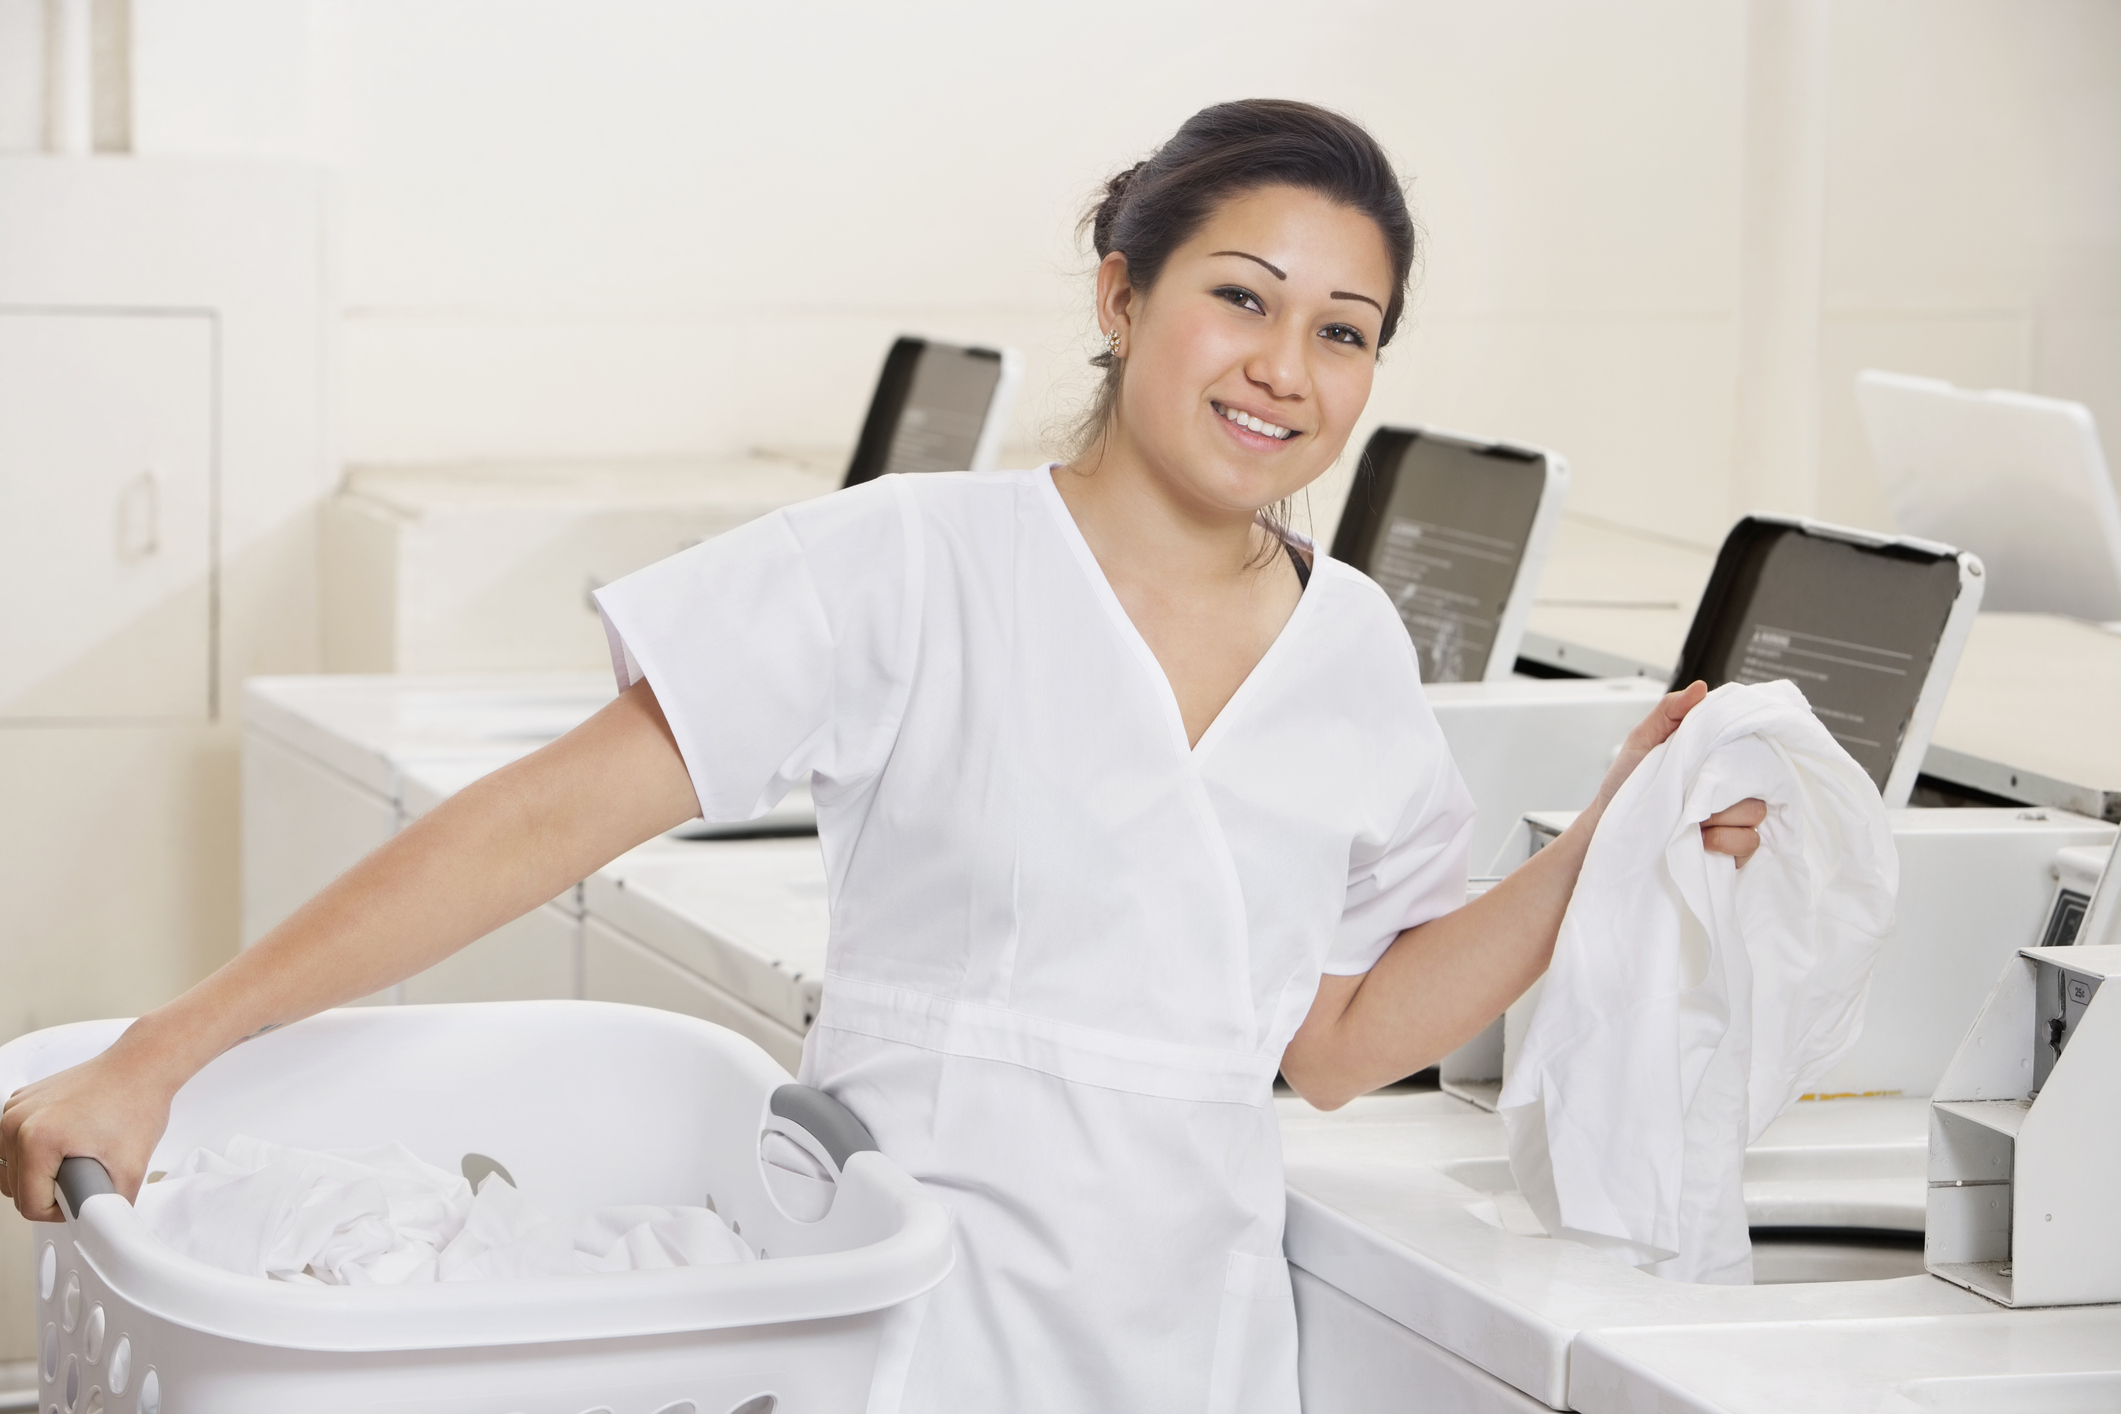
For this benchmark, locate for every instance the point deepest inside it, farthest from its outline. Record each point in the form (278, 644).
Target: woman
(1126, 802)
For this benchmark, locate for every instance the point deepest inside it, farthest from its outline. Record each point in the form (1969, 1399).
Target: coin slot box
(2023, 1207)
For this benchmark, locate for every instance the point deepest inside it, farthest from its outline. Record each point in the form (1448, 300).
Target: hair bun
(1107, 214)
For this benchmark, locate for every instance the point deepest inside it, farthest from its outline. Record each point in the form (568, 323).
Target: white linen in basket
(384, 1217)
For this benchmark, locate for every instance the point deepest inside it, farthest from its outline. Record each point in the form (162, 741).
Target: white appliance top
(1406, 1203)
(371, 727)
(748, 915)
(2063, 1361)
(757, 484)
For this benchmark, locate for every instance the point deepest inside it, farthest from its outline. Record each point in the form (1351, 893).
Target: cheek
(1342, 386)
(1180, 357)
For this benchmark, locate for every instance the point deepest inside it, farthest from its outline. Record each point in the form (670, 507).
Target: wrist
(160, 1053)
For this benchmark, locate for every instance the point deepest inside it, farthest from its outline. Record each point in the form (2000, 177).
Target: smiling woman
(1126, 798)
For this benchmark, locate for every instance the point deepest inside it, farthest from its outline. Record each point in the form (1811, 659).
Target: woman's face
(1248, 363)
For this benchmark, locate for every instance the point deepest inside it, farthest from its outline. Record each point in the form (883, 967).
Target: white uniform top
(1067, 950)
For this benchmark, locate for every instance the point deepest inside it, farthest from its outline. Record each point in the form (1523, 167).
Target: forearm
(1439, 983)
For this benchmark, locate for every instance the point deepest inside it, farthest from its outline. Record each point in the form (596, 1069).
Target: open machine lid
(2020, 481)
(938, 407)
(1456, 530)
(2102, 914)
(1868, 626)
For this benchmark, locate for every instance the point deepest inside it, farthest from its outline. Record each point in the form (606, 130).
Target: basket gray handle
(80, 1180)
(828, 1121)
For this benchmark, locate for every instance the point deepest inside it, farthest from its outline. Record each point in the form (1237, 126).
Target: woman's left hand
(1734, 831)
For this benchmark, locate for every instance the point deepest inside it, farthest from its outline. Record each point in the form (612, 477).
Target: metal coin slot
(2060, 998)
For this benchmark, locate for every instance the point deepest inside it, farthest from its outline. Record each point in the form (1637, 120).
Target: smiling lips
(1253, 424)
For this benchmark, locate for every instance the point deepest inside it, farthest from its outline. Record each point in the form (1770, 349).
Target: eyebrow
(1279, 274)
(1273, 270)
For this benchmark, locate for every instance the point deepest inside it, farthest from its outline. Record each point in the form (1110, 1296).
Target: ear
(1115, 296)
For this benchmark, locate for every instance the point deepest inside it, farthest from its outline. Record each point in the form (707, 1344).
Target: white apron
(1067, 949)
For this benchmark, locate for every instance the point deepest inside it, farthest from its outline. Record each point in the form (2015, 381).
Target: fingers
(1739, 844)
(1677, 704)
(1735, 830)
(1747, 813)
(30, 1174)
(1664, 719)
(9, 1123)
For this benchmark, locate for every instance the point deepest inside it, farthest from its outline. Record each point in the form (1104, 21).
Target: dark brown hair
(1156, 206)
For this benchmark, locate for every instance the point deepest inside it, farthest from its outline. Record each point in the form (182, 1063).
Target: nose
(1280, 364)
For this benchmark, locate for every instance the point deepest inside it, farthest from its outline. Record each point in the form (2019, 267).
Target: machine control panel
(1446, 526)
(1855, 625)
(937, 407)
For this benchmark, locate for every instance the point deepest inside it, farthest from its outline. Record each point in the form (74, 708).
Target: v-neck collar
(1101, 588)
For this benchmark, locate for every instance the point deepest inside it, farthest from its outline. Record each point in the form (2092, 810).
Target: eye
(1345, 334)
(1241, 297)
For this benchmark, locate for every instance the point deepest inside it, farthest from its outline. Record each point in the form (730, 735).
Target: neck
(1141, 524)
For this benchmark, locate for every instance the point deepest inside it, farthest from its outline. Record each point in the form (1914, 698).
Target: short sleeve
(781, 648)
(1418, 874)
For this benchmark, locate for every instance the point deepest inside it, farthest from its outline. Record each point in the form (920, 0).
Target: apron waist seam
(1080, 1054)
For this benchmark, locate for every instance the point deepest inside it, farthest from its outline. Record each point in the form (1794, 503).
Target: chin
(1257, 482)
(1246, 487)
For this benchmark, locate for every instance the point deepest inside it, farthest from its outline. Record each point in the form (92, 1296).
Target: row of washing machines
(1422, 1279)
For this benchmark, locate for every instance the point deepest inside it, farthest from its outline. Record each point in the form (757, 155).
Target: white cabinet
(304, 825)
(107, 492)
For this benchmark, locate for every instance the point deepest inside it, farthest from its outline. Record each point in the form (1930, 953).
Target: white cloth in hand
(384, 1217)
(1689, 1003)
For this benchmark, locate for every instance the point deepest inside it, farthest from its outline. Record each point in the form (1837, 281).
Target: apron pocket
(1255, 1339)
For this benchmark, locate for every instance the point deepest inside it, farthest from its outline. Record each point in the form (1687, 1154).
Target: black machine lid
(930, 407)
(1855, 623)
(1442, 524)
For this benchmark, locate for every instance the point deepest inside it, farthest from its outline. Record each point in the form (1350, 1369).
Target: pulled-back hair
(1157, 205)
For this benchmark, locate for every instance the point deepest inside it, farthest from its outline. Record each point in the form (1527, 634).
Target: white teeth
(1264, 428)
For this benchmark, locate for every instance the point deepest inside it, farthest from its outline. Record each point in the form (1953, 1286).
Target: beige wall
(656, 227)
(1973, 210)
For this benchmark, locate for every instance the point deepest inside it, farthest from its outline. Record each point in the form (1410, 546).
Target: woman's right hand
(106, 1109)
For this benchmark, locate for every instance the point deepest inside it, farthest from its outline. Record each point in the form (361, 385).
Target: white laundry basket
(585, 1104)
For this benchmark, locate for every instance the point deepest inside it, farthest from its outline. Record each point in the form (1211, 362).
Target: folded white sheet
(383, 1217)
(1689, 1003)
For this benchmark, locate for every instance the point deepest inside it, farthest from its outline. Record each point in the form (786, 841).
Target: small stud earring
(1112, 343)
